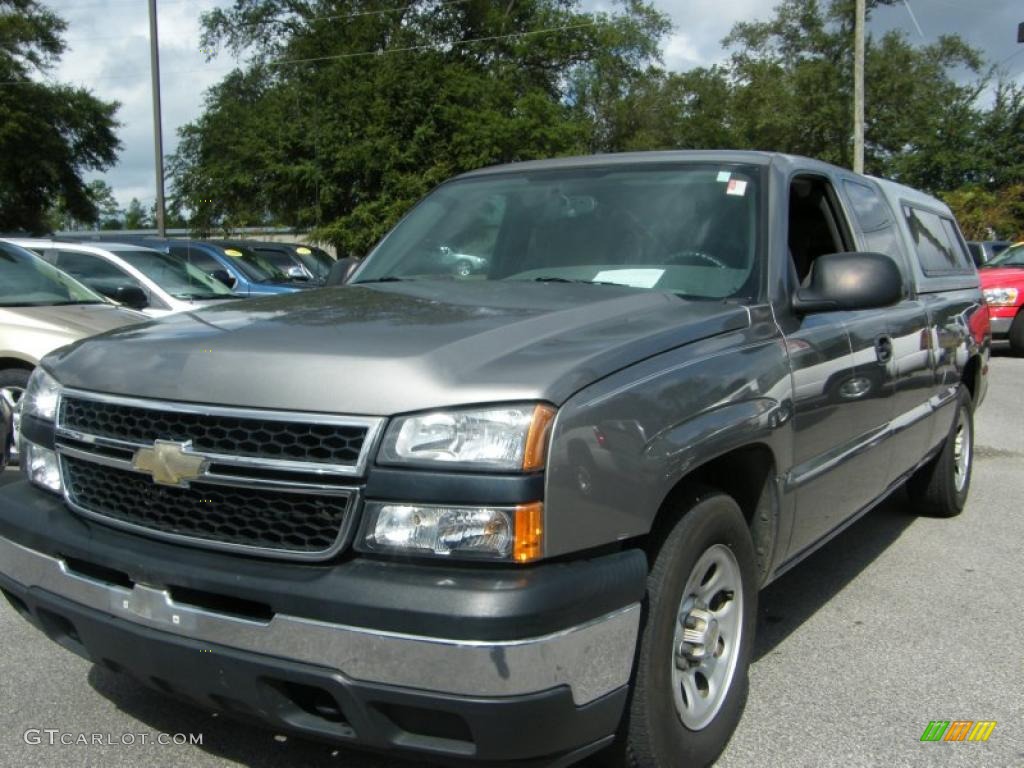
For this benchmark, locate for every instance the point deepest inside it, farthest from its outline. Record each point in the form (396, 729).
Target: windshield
(28, 281)
(318, 262)
(255, 266)
(180, 279)
(1011, 257)
(689, 229)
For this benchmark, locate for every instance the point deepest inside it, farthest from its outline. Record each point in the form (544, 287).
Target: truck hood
(74, 320)
(388, 348)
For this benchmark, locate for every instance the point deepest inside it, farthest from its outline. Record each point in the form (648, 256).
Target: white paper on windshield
(634, 278)
(724, 176)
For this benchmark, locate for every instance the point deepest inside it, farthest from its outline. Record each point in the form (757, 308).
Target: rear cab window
(939, 248)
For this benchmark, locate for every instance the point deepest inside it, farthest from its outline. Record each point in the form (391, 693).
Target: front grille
(229, 435)
(303, 523)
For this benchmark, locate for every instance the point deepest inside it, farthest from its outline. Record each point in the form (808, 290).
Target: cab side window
(816, 227)
(89, 268)
(875, 219)
(940, 250)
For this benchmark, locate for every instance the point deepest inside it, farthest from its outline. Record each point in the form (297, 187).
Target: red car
(1002, 280)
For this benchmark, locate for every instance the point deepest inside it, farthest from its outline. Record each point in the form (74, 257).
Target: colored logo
(958, 730)
(169, 463)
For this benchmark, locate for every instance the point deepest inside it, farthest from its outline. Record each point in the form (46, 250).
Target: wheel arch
(747, 473)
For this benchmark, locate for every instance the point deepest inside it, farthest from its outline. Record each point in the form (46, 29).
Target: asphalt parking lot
(897, 622)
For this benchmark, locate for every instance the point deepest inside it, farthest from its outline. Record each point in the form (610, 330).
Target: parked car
(42, 309)
(316, 261)
(241, 269)
(281, 256)
(142, 278)
(1003, 284)
(983, 251)
(511, 516)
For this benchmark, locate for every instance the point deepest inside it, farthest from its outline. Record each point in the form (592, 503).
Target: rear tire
(690, 685)
(1017, 334)
(940, 487)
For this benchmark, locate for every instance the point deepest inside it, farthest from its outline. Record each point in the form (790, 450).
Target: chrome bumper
(1001, 325)
(592, 659)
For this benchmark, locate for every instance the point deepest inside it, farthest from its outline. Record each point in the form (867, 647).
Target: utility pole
(158, 139)
(858, 87)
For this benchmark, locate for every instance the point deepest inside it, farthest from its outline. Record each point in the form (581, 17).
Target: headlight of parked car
(40, 401)
(482, 532)
(40, 398)
(507, 438)
(1001, 297)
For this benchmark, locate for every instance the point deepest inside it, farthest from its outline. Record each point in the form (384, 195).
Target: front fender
(621, 446)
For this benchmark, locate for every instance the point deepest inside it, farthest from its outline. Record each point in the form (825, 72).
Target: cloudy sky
(109, 54)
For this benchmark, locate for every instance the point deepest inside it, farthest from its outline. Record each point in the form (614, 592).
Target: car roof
(97, 247)
(747, 157)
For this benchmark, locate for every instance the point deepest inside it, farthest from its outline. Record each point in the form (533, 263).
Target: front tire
(13, 382)
(1017, 334)
(691, 678)
(940, 487)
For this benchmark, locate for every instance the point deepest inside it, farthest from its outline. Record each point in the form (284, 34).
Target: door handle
(883, 349)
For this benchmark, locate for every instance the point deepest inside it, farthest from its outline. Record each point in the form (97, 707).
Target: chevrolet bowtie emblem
(169, 463)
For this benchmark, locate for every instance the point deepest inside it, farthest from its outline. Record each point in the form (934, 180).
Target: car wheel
(691, 677)
(940, 487)
(12, 386)
(1017, 334)
(463, 269)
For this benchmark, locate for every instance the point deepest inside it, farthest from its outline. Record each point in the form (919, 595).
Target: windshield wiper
(386, 279)
(202, 296)
(573, 280)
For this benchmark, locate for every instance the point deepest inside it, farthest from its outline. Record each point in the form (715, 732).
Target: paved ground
(897, 622)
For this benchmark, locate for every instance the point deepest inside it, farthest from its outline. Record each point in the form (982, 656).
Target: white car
(141, 278)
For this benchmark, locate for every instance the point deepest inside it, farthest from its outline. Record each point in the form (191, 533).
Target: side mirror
(341, 271)
(295, 272)
(850, 281)
(131, 296)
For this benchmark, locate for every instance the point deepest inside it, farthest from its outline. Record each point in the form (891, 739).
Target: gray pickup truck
(519, 514)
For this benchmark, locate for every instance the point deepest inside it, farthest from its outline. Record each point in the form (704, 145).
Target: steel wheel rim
(962, 451)
(707, 638)
(12, 396)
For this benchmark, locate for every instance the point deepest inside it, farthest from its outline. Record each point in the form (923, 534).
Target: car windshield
(180, 279)
(254, 265)
(1011, 257)
(28, 281)
(318, 262)
(689, 229)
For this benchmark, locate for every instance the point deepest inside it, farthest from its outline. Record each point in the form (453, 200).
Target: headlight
(40, 465)
(40, 398)
(494, 533)
(1001, 297)
(509, 438)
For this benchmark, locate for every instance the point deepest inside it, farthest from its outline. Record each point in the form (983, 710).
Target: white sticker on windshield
(724, 176)
(634, 278)
(736, 187)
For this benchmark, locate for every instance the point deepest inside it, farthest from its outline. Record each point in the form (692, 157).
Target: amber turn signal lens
(535, 454)
(529, 532)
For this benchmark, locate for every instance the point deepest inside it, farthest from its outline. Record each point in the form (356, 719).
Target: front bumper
(1001, 326)
(119, 600)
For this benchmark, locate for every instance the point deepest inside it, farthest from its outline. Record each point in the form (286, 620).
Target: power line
(335, 57)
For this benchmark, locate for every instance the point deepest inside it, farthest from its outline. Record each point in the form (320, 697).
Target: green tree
(349, 112)
(49, 134)
(136, 216)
